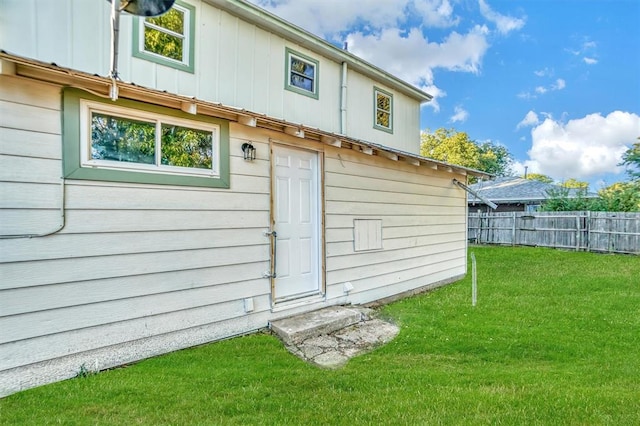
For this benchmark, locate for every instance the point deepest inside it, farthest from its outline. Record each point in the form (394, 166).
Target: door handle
(272, 272)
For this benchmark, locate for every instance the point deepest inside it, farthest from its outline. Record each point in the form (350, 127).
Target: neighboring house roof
(287, 30)
(102, 86)
(511, 190)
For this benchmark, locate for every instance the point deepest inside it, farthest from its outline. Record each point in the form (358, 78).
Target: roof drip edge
(52, 73)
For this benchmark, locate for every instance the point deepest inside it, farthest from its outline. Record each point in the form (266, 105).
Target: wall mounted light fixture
(249, 151)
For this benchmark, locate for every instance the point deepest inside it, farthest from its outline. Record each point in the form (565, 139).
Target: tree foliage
(575, 184)
(631, 159)
(563, 199)
(494, 159)
(166, 36)
(127, 140)
(619, 197)
(539, 177)
(456, 147)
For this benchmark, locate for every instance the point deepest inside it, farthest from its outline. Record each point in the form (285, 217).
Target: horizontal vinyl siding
(423, 225)
(133, 261)
(30, 149)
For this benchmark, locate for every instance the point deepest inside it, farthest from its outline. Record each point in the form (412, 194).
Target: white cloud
(559, 84)
(587, 50)
(437, 93)
(436, 13)
(531, 119)
(395, 52)
(518, 167)
(460, 115)
(504, 24)
(582, 148)
(543, 72)
(328, 18)
(525, 95)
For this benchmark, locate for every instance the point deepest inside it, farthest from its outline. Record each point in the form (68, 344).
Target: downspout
(343, 100)
(115, 34)
(474, 193)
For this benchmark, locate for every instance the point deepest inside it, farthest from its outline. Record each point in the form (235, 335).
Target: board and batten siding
(360, 115)
(237, 63)
(137, 270)
(423, 226)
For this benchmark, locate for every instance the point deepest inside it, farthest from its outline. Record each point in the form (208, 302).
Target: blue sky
(555, 81)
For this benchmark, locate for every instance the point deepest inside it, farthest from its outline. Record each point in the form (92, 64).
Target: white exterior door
(296, 220)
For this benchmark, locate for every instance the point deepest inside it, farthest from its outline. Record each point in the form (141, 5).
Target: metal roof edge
(68, 77)
(267, 20)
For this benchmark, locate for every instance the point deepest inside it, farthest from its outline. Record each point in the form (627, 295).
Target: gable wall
(236, 64)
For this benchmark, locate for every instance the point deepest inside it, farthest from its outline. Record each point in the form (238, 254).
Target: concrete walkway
(329, 337)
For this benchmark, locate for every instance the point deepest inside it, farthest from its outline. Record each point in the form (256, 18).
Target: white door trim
(293, 248)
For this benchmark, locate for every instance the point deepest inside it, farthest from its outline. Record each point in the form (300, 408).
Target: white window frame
(89, 107)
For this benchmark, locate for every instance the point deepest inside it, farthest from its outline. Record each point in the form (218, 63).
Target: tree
(619, 197)
(575, 184)
(456, 147)
(539, 177)
(164, 42)
(631, 159)
(563, 199)
(495, 159)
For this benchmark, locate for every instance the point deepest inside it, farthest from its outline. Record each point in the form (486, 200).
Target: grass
(555, 339)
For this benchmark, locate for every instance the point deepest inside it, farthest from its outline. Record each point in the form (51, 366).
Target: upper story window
(130, 141)
(383, 110)
(301, 74)
(167, 39)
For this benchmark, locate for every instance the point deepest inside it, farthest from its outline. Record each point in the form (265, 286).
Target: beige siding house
(135, 219)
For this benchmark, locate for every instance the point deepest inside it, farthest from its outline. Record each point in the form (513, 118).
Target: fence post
(513, 230)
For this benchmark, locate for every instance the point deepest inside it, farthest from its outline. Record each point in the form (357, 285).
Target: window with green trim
(130, 141)
(383, 110)
(301, 74)
(167, 39)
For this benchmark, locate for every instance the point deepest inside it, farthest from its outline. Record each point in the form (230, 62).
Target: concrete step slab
(314, 324)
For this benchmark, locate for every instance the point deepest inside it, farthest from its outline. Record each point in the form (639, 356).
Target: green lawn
(554, 339)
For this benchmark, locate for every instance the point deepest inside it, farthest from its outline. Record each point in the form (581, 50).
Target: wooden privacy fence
(590, 231)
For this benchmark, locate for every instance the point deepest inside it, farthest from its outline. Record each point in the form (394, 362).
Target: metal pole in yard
(588, 226)
(578, 214)
(474, 281)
